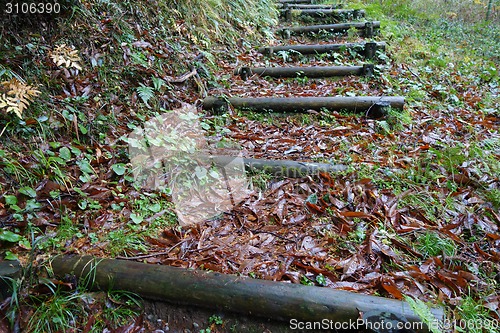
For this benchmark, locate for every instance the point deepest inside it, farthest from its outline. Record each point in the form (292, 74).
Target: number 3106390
(32, 8)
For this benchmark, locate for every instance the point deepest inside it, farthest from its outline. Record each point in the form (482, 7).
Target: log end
(9, 270)
(217, 105)
(378, 110)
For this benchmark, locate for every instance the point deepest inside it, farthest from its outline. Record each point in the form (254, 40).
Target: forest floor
(414, 214)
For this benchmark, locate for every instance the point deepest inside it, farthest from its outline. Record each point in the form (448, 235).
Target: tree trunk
(276, 300)
(310, 72)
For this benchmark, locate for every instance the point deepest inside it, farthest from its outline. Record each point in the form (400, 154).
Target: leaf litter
(359, 233)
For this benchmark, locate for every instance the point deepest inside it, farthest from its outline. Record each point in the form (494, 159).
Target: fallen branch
(149, 255)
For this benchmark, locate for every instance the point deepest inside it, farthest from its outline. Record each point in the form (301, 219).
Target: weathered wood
(324, 13)
(321, 48)
(371, 106)
(280, 168)
(308, 6)
(296, 1)
(310, 72)
(331, 27)
(269, 299)
(8, 270)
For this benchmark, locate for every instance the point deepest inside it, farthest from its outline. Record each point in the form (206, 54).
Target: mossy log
(281, 168)
(269, 299)
(370, 105)
(332, 27)
(368, 49)
(310, 72)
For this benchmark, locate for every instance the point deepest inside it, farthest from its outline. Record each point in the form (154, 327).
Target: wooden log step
(369, 49)
(296, 1)
(279, 168)
(240, 294)
(308, 6)
(368, 28)
(323, 13)
(310, 72)
(372, 106)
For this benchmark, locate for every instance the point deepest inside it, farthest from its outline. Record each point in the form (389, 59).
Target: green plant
(424, 312)
(65, 311)
(145, 93)
(474, 317)
(301, 78)
(493, 196)
(214, 319)
(306, 281)
(56, 313)
(430, 244)
(260, 179)
(121, 241)
(123, 306)
(321, 280)
(59, 239)
(9, 165)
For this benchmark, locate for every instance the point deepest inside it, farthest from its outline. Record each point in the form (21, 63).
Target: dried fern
(16, 96)
(67, 56)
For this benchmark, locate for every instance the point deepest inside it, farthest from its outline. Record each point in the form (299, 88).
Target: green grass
(430, 244)
(474, 317)
(64, 311)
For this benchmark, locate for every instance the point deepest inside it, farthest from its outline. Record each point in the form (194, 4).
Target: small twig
(152, 254)
(181, 78)
(3, 130)
(415, 75)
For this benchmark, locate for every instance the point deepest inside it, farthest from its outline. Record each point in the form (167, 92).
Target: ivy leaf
(9, 236)
(10, 200)
(119, 168)
(85, 166)
(65, 153)
(10, 256)
(26, 190)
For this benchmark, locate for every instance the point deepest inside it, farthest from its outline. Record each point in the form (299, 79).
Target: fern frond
(424, 312)
(145, 93)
